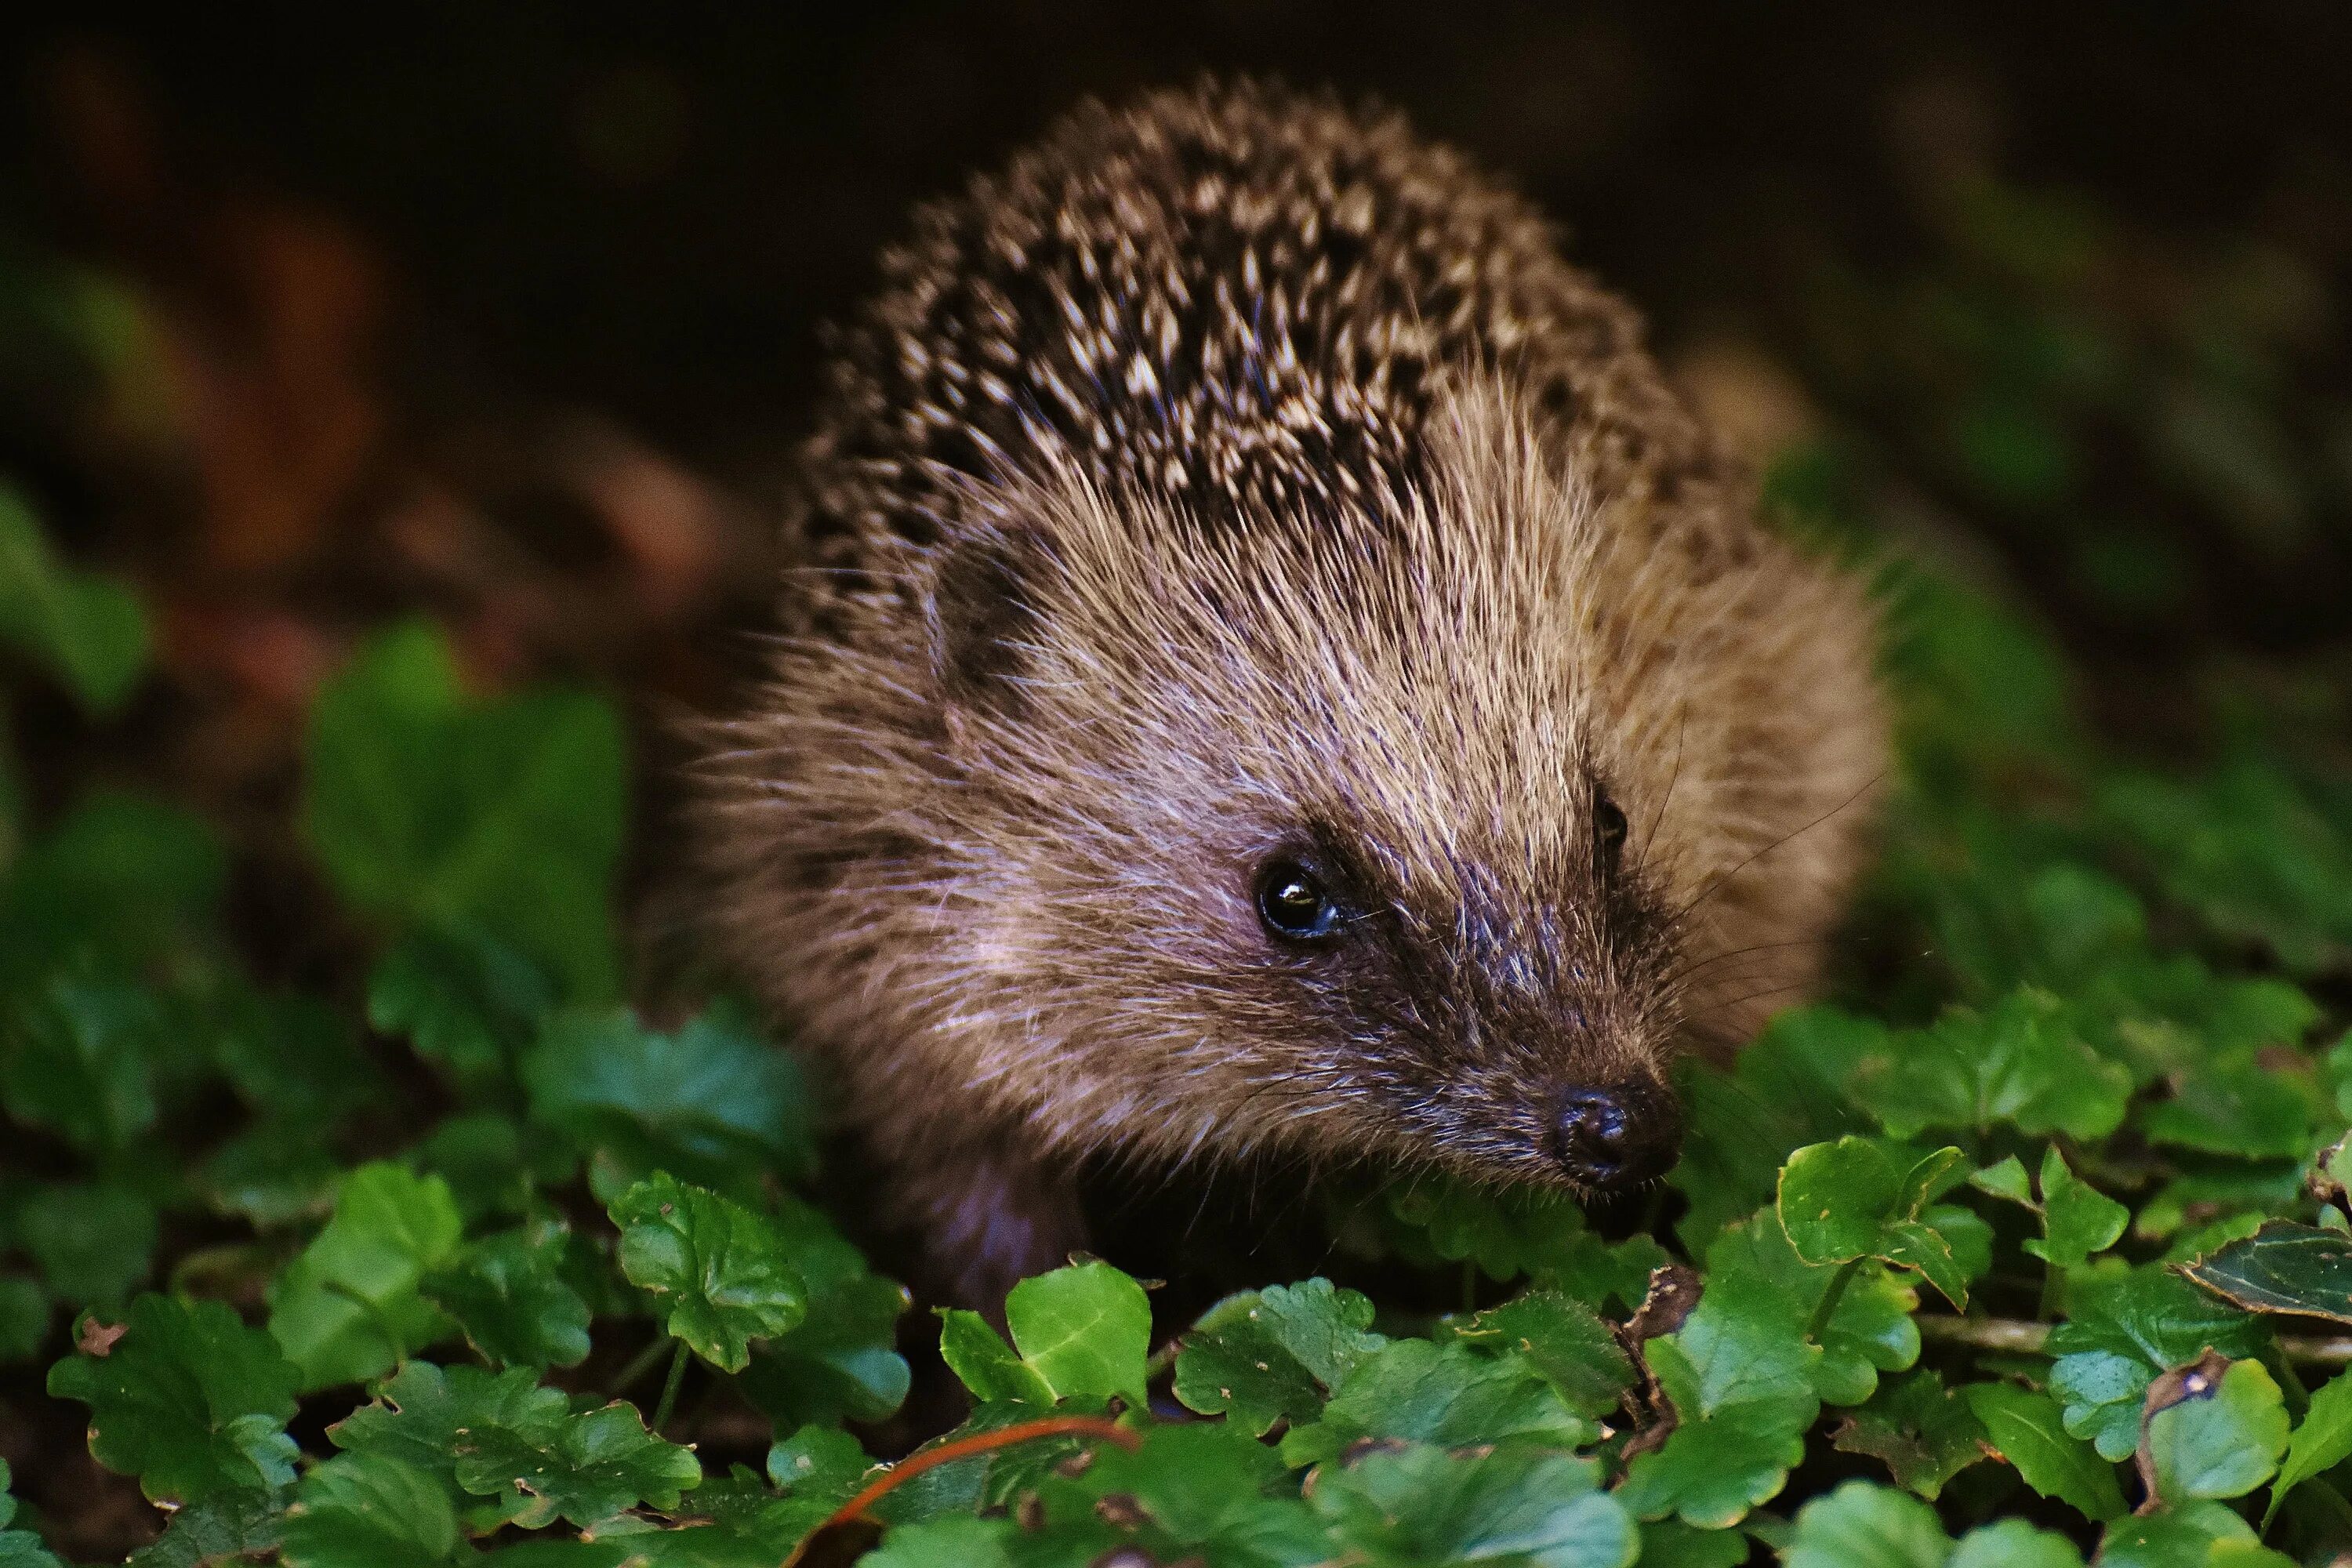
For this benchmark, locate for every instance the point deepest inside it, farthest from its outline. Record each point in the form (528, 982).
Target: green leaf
(1752, 1270)
(2077, 1219)
(370, 1511)
(585, 1467)
(2006, 1179)
(2026, 1429)
(1848, 1200)
(350, 1307)
(1563, 1339)
(188, 1399)
(508, 1294)
(430, 809)
(717, 1272)
(2013, 1543)
(24, 1317)
(1449, 1395)
(2215, 1430)
(842, 1362)
(2322, 1441)
(1084, 1328)
(88, 631)
(1924, 1433)
(421, 1412)
(1275, 1354)
(19, 1548)
(2282, 1267)
(2123, 1330)
(121, 883)
(711, 1104)
(1717, 1464)
(471, 1003)
(79, 1061)
(95, 1244)
(2200, 1535)
(955, 1542)
(989, 1369)
(2021, 1064)
(228, 1527)
(1860, 1525)
(2239, 1109)
(1419, 1504)
(1508, 1231)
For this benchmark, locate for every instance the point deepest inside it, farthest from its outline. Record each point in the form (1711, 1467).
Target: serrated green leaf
(2026, 1428)
(1449, 1395)
(465, 1000)
(843, 1360)
(228, 1527)
(1419, 1504)
(188, 1399)
(718, 1272)
(989, 1369)
(2124, 1331)
(1848, 1200)
(509, 1296)
(584, 1468)
(430, 809)
(1274, 1354)
(371, 1511)
(2021, 1063)
(1084, 1328)
(1860, 1525)
(2077, 1219)
(2219, 1436)
(350, 1307)
(1924, 1434)
(1562, 1339)
(711, 1103)
(1718, 1464)
(79, 1061)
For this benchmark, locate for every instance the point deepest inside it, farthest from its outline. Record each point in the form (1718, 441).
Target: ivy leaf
(2027, 1429)
(2321, 1442)
(371, 1511)
(1274, 1354)
(2214, 1429)
(350, 1308)
(843, 1360)
(86, 630)
(431, 809)
(1849, 1200)
(1863, 1525)
(2077, 1219)
(585, 1467)
(79, 1061)
(188, 1399)
(1924, 1434)
(1085, 1330)
(508, 1294)
(1562, 1339)
(718, 1272)
(2283, 1267)
(1419, 1504)
(2124, 1331)
(1449, 1395)
(94, 1242)
(2021, 1064)
(469, 1002)
(711, 1104)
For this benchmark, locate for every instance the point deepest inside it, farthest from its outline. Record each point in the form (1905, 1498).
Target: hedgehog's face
(1319, 844)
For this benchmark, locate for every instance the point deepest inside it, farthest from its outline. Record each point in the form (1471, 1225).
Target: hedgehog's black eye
(1608, 833)
(1293, 901)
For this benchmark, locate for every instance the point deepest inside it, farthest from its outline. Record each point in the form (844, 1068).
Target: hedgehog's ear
(983, 617)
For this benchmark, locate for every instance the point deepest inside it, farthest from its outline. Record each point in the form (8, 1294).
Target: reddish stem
(905, 1471)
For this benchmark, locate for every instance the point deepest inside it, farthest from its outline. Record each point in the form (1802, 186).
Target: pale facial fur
(1023, 898)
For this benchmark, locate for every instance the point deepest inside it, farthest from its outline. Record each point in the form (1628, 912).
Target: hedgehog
(1270, 670)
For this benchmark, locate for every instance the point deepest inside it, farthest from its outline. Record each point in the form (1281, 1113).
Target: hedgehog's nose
(1616, 1135)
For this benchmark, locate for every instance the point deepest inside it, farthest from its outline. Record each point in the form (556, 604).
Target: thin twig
(2017, 1337)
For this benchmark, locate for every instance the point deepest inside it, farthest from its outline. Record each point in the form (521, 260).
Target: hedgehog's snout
(1614, 1136)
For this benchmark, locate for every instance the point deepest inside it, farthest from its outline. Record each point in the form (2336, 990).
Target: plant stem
(670, 1387)
(2017, 1337)
(1831, 1298)
(641, 1364)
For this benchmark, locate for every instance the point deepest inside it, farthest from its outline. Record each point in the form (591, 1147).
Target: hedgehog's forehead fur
(1235, 478)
